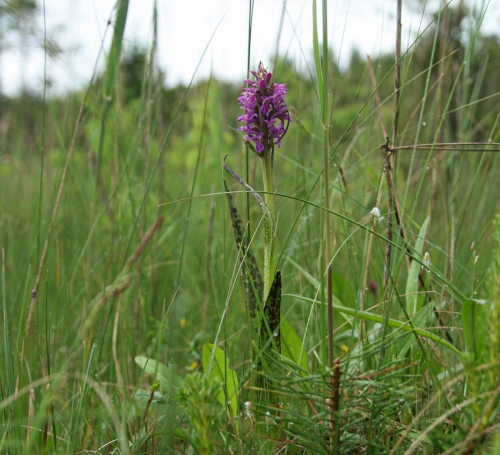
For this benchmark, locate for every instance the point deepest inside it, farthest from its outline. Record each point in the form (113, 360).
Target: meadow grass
(124, 322)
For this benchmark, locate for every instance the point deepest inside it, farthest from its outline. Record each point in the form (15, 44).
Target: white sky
(185, 28)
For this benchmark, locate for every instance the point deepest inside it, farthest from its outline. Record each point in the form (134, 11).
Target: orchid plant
(266, 119)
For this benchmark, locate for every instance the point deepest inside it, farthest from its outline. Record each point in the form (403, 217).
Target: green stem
(326, 175)
(269, 235)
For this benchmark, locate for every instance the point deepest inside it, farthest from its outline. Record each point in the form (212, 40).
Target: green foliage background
(161, 156)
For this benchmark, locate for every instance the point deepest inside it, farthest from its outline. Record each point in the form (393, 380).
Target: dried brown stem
(342, 176)
(390, 208)
(334, 401)
(119, 377)
(386, 152)
(397, 77)
(144, 241)
(211, 220)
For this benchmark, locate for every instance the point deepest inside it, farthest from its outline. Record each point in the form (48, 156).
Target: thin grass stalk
(114, 349)
(453, 163)
(322, 81)
(9, 373)
(278, 36)
(377, 97)
(482, 147)
(79, 411)
(208, 259)
(246, 148)
(48, 372)
(444, 113)
(379, 192)
(42, 148)
(326, 163)
(441, 66)
(53, 219)
(386, 151)
(193, 183)
(397, 76)
(112, 69)
(322, 75)
(149, 93)
(163, 148)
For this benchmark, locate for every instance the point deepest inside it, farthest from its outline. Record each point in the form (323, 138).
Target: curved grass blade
(475, 322)
(391, 322)
(412, 281)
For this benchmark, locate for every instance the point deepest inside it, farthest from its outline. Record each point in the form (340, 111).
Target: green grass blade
(112, 67)
(292, 346)
(418, 321)
(475, 322)
(317, 58)
(113, 63)
(412, 281)
(9, 373)
(391, 322)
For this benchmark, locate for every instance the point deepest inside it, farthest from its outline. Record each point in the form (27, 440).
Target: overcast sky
(185, 27)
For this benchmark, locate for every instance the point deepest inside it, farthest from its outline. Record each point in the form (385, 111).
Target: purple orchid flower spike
(266, 113)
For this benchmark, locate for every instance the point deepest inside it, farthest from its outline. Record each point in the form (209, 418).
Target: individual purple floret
(265, 111)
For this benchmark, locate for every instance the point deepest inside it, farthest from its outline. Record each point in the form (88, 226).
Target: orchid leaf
(170, 381)
(252, 279)
(216, 366)
(271, 322)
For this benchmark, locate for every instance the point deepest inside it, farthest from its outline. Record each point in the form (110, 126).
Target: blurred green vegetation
(161, 145)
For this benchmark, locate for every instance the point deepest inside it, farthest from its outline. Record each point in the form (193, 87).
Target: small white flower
(426, 262)
(375, 213)
(248, 412)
